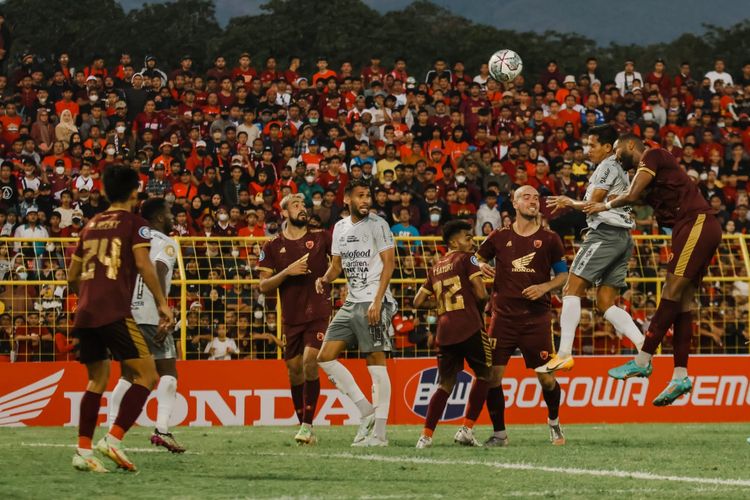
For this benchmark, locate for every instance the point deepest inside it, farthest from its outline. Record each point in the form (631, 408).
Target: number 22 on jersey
(445, 292)
(100, 248)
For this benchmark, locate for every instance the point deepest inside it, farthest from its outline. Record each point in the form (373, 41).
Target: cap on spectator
(150, 58)
(692, 173)
(164, 144)
(83, 188)
(507, 93)
(744, 116)
(59, 163)
(436, 150)
(184, 171)
(90, 78)
(431, 169)
(313, 142)
(298, 80)
(237, 159)
(159, 166)
(200, 144)
(185, 57)
(436, 208)
(268, 192)
(569, 79)
(28, 160)
(121, 105)
(380, 93)
(44, 187)
(32, 208)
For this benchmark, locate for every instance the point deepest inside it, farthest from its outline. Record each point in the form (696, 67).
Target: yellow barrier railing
(216, 283)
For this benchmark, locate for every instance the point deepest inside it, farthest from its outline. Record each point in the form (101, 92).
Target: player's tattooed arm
(333, 272)
(642, 179)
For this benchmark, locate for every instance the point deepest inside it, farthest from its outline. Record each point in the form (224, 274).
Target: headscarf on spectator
(43, 133)
(66, 127)
(196, 214)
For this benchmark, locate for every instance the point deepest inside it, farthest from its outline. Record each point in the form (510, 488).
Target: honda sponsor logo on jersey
(419, 389)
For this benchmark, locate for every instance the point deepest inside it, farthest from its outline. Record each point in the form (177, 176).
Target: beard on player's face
(626, 159)
(300, 220)
(361, 209)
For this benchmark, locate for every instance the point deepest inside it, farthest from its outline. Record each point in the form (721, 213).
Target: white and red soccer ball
(505, 65)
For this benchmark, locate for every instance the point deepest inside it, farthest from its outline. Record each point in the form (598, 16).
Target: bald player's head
(526, 202)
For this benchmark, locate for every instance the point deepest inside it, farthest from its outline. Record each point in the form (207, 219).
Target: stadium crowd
(223, 145)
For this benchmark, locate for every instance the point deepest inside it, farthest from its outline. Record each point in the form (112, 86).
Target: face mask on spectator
(223, 217)
(540, 138)
(59, 170)
(272, 326)
(169, 198)
(235, 253)
(93, 97)
(23, 276)
(317, 203)
(42, 100)
(313, 121)
(460, 179)
(110, 151)
(435, 217)
(120, 129)
(50, 247)
(431, 320)
(258, 314)
(310, 179)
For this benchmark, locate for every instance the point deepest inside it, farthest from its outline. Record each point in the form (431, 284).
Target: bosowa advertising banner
(257, 393)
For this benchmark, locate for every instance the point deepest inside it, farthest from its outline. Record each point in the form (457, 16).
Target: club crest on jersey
(544, 355)
(419, 389)
(309, 244)
(144, 232)
(262, 255)
(537, 243)
(474, 260)
(320, 336)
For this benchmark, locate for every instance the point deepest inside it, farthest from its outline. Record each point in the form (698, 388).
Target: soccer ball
(505, 65)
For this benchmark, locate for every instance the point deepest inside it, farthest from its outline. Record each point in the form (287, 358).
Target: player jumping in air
(112, 249)
(525, 255)
(163, 254)
(696, 234)
(292, 263)
(362, 246)
(602, 260)
(456, 282)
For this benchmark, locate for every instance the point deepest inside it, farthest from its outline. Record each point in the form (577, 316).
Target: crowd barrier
(228, 393)
(216, 281)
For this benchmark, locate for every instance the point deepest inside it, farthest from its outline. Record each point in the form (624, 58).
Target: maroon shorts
(532, 337)
(305, 335)
(122, 339)
(694, 243)
(475, 350)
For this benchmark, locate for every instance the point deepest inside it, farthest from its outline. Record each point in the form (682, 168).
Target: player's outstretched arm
(333, 272)
(642, 179)
(420, 298)
(559, 202)
(488, 272)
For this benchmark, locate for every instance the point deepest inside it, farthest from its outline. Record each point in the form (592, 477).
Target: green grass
(264, 462)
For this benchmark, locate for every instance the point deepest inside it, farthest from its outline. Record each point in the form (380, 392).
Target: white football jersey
(143, 307)
(610, 175)
(359, 246)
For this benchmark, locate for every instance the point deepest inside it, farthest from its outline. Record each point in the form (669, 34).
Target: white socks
(569, 318)
(381, 397)
(165, 396)
(116, 398)
(344, 382)
(643, 358)
(679, 372)
(625, 325)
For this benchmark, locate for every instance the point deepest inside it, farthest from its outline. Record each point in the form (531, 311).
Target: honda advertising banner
(257, 393)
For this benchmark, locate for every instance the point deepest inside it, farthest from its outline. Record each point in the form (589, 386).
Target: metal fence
(216, 287)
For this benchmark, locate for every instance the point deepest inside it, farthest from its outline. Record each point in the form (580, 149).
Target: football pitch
(626, 461)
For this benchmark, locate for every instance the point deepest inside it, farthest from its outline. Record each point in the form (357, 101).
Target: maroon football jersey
(671, 192)
(300, 303)
(521, 261)
(450, 280)
(105, 249)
